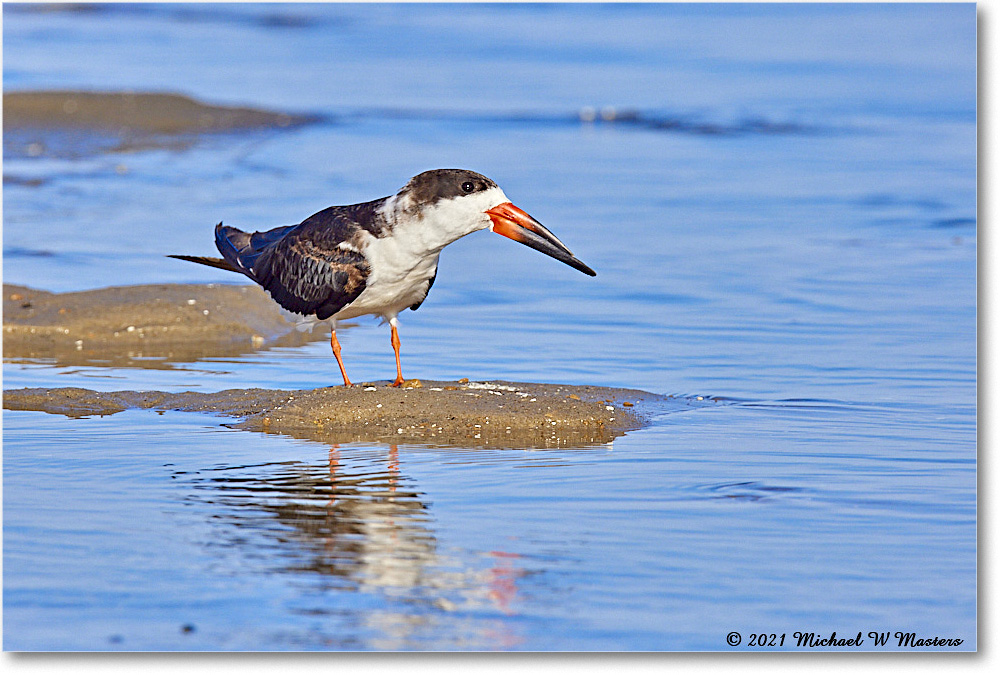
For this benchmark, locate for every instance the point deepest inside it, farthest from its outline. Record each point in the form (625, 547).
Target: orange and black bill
(515, 224)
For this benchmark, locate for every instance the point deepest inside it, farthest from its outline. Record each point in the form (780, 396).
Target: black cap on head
(431, 186)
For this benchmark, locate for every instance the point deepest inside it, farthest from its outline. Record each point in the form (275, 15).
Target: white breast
(398, 279)
(403, 264)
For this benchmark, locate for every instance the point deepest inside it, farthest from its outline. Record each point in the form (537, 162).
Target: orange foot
(399, 381)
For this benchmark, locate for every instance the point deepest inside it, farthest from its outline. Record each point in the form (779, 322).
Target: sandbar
(136, 325)
(467, 414)
(130, 325)
(143, 112)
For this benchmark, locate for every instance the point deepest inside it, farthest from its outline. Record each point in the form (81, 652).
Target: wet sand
(467, 414)
(121, 325)
(127, 325)
(150, 113)
(74, 123)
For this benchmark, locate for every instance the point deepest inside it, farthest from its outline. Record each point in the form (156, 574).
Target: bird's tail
(211, 262)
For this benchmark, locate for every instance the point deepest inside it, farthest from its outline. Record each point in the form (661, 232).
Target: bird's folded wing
(308, 271)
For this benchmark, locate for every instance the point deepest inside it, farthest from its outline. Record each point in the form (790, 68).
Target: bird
(378, 257)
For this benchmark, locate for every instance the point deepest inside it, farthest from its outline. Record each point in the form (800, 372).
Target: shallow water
(788, 219)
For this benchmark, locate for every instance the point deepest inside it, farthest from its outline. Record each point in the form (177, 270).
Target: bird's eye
(468, 187)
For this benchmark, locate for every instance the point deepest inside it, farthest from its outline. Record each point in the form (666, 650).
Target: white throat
(404, 263)
(425, 231)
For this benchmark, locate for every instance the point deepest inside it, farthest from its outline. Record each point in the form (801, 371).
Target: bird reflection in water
(354, 524)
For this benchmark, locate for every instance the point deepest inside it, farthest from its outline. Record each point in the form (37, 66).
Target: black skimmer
(379, 257)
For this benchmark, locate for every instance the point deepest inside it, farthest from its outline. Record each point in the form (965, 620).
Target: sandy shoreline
(127, 325)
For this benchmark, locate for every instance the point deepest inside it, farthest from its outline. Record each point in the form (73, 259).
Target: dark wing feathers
(304, 276)
(244, 248)
(302, 266)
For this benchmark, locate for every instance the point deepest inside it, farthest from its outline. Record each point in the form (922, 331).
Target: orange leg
(395, 348)
(335, 345)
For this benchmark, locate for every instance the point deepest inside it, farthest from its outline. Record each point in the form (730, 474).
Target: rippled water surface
(780, 202)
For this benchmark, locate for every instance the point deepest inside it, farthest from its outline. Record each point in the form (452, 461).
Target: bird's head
(455, 202)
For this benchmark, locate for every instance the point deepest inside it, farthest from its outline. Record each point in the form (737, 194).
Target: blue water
(780, 203)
